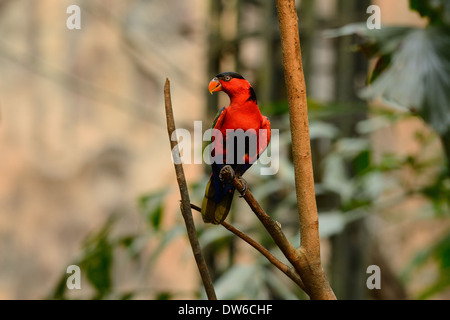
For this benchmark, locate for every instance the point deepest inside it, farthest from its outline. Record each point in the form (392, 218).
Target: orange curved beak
(214, 86)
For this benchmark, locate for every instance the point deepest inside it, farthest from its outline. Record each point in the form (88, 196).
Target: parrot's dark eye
(227, 78)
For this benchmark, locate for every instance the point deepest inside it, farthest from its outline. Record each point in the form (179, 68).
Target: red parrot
(242, 113)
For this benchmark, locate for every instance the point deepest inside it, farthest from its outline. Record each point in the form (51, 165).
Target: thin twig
(185, 201)
(288, 271)
(272, 226)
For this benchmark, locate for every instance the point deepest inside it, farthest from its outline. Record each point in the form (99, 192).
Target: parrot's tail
(212, 211)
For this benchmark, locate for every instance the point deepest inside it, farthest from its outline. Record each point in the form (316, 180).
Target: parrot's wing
(218, 120)
(264, 135)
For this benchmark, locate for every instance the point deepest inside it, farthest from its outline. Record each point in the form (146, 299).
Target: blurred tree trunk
(350, 254)
(214, 49)
(391, 288)
(266, 74)
(350, 261)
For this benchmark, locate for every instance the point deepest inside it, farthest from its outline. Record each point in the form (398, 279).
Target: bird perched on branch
(244, 130)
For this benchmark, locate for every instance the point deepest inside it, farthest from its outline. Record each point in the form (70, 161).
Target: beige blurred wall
(398, 13)
(82, 130)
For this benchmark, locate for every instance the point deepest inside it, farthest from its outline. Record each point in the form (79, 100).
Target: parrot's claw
(244, 187)
(226, 173)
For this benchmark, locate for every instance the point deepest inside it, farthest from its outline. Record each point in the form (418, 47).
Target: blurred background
(85, 164)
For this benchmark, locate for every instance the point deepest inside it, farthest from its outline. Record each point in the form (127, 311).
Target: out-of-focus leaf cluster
(412, 65)
(350, 185)
(437, 11)
(439, 253)
(411, 72)
(103, 248)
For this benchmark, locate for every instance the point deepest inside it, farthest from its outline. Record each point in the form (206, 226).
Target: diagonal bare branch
(185, 201)
(288, 271)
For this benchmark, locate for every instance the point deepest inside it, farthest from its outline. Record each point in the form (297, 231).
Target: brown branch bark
(309, 266)
(288, 271)
(272, 226)
(296, 257)
(185, 201)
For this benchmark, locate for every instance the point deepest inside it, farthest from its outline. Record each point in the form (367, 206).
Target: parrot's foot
(244, 187)
(226, 173)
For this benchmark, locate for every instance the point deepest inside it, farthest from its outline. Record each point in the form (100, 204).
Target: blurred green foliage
(440, 253)
(412, 65)
(437, 11)
(96, 261)
(348, 174)
(412, 72)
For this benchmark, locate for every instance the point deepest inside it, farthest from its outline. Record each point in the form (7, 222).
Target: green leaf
(336, 178)
(443, 253)
(97, 259)
(377, 122)
(381, 65)
(97, 263)
(214, 236)
(373, 43)
(166, 239)
(421, 6)
(321, 129)
(59, 292)
(331, 223)
(127, 241)
(390, 162)
(438, 11)
(152, 206)
(265, 189)
(278, 286)
(127, 295)
(240, 281)
(361, 162)
(418, 78)
(413, 66)
(440, 253)
(349, 148)
(438, 192)
(164, 295)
